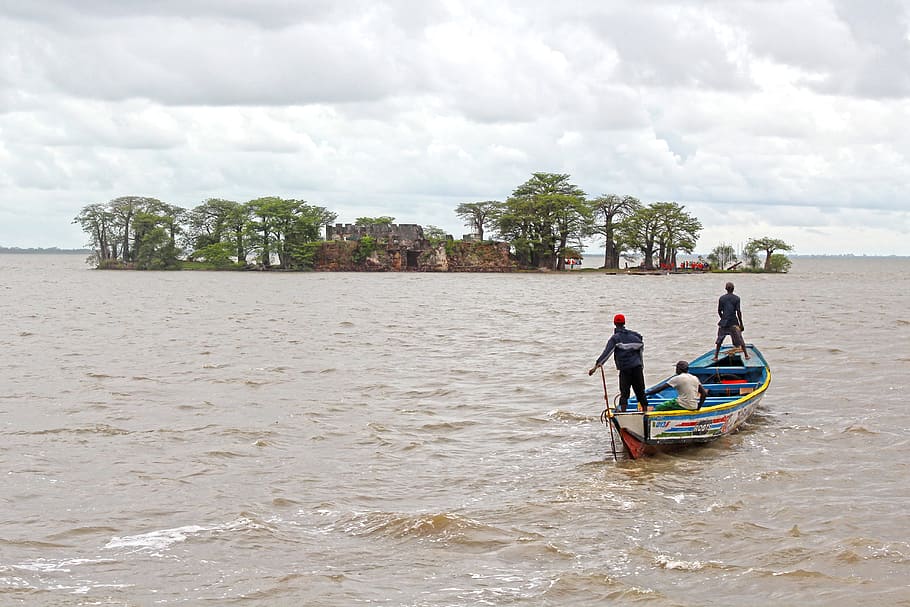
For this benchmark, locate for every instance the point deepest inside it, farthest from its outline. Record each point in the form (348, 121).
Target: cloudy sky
(783, 118)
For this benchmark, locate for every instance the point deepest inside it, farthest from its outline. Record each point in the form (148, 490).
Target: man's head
(682, 367)
(729, 287)
(619, 320)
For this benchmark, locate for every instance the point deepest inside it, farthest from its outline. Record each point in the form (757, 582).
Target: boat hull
(730, 403)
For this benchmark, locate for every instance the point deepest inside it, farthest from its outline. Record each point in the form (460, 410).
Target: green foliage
(435, 236)
(769, 246)
(304, 255)
(218, 221)
(133, 231)
(153, 251)
(477, 215)
(662, 229)
(206, 266)
(366, 246)
(609, 211)
(217, 255)
(639, 232)
(780, 263)
(112, 264)
(374, 221)
(541, 217)
(282, 225)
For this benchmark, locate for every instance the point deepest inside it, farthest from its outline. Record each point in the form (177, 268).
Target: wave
(855, 429)
(102, 429)
(160, 540)
(438, 527)
(675, 563)
(569, 416)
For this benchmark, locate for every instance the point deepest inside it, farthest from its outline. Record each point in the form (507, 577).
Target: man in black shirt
(731, 321)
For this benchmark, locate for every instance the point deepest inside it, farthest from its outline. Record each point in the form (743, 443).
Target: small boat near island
(735, 386)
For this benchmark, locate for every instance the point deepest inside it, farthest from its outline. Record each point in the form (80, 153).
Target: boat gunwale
(712, 409)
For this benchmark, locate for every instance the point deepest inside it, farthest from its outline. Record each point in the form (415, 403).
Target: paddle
(609, 412)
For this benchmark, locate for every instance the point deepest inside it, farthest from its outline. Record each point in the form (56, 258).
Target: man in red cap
(628, 346)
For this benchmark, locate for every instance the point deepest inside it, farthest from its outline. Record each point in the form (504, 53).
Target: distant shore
(42, 251)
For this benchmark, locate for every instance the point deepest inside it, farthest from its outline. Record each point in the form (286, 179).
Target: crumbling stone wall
(452, 256)
(403, 232)
(464, 256)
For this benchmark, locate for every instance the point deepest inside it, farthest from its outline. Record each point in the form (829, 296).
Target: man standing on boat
(628, 346)
(731, 321)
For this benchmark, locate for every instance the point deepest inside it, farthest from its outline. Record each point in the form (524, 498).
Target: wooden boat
(735, 387)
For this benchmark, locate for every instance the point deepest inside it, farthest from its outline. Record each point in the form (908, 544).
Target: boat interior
(727, 378)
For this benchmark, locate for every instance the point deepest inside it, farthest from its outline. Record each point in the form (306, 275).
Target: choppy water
(430, 439)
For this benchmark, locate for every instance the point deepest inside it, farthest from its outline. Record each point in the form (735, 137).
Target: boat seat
(730, 389)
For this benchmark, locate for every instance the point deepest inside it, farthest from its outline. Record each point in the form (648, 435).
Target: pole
(609, 412)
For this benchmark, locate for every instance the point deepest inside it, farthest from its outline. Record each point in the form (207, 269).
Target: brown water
(429, 439)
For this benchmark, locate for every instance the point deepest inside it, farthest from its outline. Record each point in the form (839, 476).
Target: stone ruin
(404, 247)
(391, 232)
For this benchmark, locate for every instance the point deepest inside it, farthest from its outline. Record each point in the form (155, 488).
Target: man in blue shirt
(628, 347)
(731, 321)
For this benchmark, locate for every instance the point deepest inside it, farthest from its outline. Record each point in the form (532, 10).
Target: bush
(780, 263)
(365, 247)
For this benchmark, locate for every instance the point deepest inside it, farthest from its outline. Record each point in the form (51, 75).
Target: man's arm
(608, 350)
(702, 395)
(656, 389)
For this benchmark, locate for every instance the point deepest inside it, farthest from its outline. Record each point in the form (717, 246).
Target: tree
(122, 210)
(97, 221)
(209, 222)
(662, 229)
(610, 210)
(639, 231)
(722, 256)
(477, 215)
(150, 247)
(305, 229)
(121, 226)
(284, 225)
(678, 231)
(540, 218)
(384, 220)
(240, 231)
(769, 246)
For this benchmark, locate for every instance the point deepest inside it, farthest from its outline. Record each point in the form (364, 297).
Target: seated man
(691, 394)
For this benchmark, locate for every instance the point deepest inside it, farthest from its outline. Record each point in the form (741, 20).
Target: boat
(735, 386)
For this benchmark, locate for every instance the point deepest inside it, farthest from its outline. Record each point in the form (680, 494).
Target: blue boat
(735, 386)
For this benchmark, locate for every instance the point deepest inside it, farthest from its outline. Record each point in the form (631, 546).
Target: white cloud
(785, 119)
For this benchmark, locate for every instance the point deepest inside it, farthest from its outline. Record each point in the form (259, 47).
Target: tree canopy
(769, 246)
(541, 217)
(146, 233)
(477, 215)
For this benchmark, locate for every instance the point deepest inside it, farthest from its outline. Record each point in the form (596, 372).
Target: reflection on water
(429, 439)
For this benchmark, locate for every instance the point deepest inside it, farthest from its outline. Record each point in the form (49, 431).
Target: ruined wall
(403, 232)
(486, 256)
(454, 256)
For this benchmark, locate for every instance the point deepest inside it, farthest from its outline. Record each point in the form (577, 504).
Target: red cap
(619, 319)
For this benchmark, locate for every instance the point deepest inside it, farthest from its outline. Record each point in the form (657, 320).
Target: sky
(781, 118)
